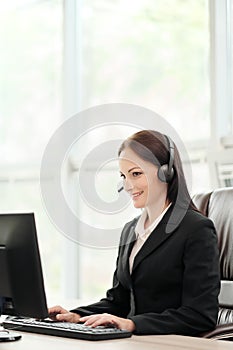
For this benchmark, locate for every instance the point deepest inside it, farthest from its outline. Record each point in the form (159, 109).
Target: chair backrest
(218, 206)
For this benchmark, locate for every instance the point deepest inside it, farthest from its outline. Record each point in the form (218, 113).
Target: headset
(166, 171)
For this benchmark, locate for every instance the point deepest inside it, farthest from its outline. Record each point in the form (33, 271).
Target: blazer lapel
(156, 238)
(128, 245)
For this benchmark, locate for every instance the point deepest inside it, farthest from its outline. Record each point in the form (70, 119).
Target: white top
(143, 233)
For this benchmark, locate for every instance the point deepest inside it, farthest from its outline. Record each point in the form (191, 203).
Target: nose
(127, 185)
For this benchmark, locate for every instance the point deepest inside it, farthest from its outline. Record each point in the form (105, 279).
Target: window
(31, 63)
(31, 51)
(151, 53)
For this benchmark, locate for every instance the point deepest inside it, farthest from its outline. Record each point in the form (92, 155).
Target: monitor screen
(21, 281)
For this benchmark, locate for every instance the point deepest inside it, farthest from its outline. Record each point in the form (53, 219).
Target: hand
(106, 320)
(57, 313)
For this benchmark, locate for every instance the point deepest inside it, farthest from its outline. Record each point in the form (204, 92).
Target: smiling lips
(136, 194)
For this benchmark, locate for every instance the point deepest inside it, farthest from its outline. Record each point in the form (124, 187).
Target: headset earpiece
(163, 173)
(166, 171)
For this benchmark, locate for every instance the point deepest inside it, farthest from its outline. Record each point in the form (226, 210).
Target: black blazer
(175, 281)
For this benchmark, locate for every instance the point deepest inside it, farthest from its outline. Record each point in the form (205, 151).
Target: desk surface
(31, 341)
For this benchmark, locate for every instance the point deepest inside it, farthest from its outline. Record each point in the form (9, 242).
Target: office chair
(218, 206)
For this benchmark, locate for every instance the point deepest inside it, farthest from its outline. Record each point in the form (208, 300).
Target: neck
(154, 212)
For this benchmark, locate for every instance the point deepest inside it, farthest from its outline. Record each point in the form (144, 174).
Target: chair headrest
(218, 206)
(221, 212)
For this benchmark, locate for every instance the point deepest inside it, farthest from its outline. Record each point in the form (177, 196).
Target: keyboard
(64, 329)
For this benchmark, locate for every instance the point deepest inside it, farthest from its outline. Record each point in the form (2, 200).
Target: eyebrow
(136, 167)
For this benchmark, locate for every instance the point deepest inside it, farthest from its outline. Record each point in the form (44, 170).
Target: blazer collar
(156, 238)
(162, 232)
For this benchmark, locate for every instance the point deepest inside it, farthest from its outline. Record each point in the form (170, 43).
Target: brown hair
(152, 146)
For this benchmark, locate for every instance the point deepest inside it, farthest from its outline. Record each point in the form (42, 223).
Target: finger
(99, 320)
(53, 311)
(104, 322)
(57, 310)
(90, 319)
(64, 317)
(68, 317)
(53, 317)
(83, 319)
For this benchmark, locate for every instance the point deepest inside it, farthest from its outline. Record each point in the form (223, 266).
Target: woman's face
(140, 180)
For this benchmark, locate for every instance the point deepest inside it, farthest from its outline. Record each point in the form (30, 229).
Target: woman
(167, 275)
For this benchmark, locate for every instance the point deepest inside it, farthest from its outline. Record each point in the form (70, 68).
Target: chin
(138, 205)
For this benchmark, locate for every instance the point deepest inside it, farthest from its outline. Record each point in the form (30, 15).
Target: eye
(136, 173)
(122, 176)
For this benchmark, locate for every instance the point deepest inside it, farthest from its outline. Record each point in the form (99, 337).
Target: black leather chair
(218, 206)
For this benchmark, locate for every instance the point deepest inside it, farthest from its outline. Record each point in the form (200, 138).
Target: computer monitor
(21, 281)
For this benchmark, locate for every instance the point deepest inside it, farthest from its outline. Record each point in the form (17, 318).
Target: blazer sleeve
(117, 302)
(201, 285)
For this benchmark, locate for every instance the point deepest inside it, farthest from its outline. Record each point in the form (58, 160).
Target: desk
(30, 341)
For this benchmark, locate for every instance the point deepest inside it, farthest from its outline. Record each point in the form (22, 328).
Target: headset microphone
(120, 189)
